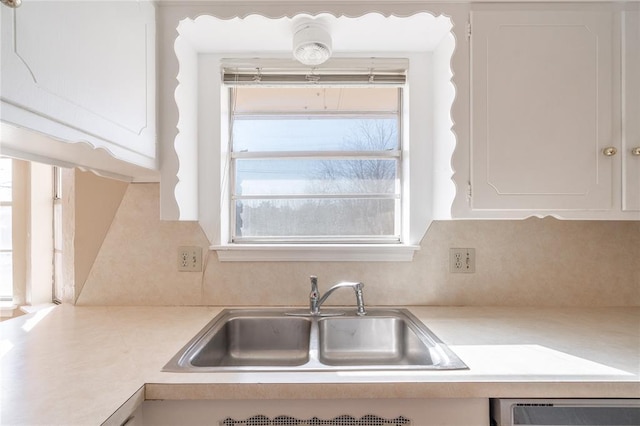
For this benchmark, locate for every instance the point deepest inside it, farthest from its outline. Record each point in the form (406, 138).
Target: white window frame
(32, 234)
(58, 239)
(398, 195)
(419, 152)
(217, 98)
(8, 298)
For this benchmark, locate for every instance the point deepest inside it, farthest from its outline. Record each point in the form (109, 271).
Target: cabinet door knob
(635, 151)
(609, 151)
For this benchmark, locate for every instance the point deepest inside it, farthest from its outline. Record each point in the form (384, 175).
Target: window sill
(315, 252)
(7, 309)
(29, 309)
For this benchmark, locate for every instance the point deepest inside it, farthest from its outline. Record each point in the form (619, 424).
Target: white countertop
(77, 365)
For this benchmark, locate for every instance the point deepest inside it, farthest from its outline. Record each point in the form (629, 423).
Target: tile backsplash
(533, 262)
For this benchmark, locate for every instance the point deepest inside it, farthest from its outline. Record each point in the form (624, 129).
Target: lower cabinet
(342, 412)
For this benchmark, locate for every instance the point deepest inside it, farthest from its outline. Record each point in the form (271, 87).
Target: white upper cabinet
(545, 116)
(541, 111)
(81, 72)
(631, 111)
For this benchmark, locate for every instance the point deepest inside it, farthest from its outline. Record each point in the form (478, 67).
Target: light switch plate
(462, 260)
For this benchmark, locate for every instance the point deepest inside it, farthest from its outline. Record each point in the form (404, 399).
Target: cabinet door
(82, 72)
(541, 114)
(631, 111)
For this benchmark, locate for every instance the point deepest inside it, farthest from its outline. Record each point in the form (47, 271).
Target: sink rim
(180, 362)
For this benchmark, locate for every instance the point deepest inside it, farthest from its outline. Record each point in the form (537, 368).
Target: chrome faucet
(315, 301)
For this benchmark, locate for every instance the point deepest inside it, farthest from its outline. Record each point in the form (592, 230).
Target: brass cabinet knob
(635, 151)
(609, 151)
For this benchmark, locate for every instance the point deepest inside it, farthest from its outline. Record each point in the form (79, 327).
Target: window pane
(5, 228)
(57, 183)
(57, 276)
(5, 179)
(309, 100)
(296, 177)
(57, 225)
(316, 163)
(315, 217)
(315, 134)
(6, 275)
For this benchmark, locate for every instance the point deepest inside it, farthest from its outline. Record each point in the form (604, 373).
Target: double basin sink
(286, 340)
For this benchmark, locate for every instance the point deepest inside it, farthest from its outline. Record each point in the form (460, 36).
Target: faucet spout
(315, 301)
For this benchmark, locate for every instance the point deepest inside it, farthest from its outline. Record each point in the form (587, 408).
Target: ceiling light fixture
(311, 44)
(12, 3)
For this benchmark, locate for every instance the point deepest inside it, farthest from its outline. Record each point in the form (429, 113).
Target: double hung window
(315, 158)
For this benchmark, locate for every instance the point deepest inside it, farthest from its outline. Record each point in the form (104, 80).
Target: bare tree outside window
(373, 176)
(364, 176)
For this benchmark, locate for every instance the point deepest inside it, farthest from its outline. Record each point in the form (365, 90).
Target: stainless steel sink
(286, 340)
(379, 340)
(255, 341)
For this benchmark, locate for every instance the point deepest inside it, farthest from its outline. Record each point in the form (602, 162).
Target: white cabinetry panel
(541, 110)
(83, 72)
(421, 412)
(631, 111)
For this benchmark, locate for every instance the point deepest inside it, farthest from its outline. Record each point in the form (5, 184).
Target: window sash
(322, 238)
(318, 155)
(317, 239)
(6, 289)
(395, 197)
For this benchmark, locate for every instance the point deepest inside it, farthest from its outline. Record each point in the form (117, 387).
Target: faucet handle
(360, 299)
(314, 286)
(314, 296)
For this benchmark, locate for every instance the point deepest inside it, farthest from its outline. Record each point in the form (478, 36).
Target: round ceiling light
(311, 44)
(12, 3)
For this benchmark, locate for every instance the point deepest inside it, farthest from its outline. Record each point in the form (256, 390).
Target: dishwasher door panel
(565, 412)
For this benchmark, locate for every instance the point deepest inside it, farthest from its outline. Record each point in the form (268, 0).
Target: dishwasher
(565, 412)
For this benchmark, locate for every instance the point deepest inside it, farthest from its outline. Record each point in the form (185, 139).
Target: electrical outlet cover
(189, 259)
(462, 260)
